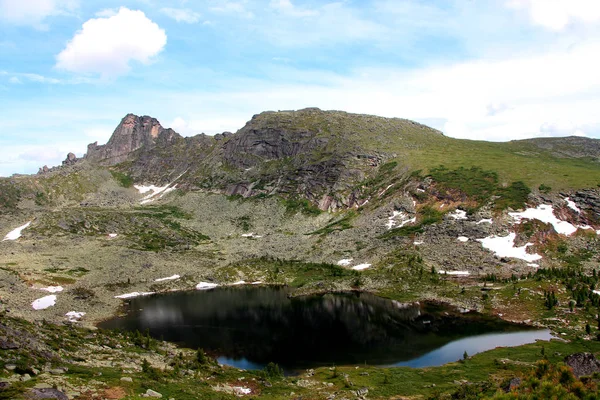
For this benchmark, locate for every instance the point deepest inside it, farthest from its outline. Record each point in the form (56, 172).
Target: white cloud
(14, 80)
(558, 14)
(34, 12)
(181, 15)
(232, 7)
(108, 12)
(530, 96)
(106, 46)
(286, 7)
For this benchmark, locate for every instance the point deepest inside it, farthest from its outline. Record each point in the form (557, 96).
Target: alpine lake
(248, 326)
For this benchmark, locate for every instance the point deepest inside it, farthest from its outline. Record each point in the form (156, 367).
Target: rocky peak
(133, 133)
(70, 160)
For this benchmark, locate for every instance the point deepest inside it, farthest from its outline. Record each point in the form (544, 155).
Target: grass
(295, 205)
(124, 180)
(336, 225)
(478, 185)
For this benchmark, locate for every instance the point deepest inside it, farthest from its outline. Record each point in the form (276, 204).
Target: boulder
(583, 364)
(152, 393)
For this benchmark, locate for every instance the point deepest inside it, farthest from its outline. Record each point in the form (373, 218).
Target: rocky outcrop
(70, 160)
(583, 364)
(132, 134)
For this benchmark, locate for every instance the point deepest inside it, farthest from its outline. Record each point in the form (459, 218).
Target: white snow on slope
(345, 262)
(504, 246)
(168, 278)
(404, 220)
(571, 204)
(242, 390)
(485, 221)
(596, 291)
(157, 192)
(545, 213)
(463, 239)
(251, 235)
(112, 235)
(458, 214)
(239, 283)
(53, 289)
(134, 294)
(360, 267)
(206, 286)
(457, 273)
(15, 233)
(74, 316)
(44, 302)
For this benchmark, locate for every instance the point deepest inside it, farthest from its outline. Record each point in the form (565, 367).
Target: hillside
(319, 201)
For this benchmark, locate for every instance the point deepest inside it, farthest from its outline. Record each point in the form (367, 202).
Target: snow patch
(485, 221)
(456, 273)
(16, 233)
(74, 316)
(545, 213)
(156, 192)
(257, 283)
(418, 243)
(345, 262)
(504, 246)
(239, 283)
(44, 302)
(242, 390)
(168, 278)
(360, 267)
(385, 190)
(533, 265)
(206, 286)
(404, 220)
(53, 289)
(571, 204)
(112, 235)
(458, 214)
(134, 294)
(463, 239)
(596, 291)
(251, 235)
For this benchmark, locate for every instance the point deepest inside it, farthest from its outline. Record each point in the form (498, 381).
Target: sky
(475, 69)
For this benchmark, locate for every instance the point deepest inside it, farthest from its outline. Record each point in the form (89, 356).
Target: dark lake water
(248, 327)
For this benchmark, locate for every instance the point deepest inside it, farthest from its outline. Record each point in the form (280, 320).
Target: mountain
(319, 201)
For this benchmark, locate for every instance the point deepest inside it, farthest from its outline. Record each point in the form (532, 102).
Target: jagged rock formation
(70, 160)
(132, 134)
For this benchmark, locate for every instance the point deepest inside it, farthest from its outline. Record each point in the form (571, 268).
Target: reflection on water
(249, 327)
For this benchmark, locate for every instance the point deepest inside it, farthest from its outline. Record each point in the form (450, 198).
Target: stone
(57, 371)
(70, 160)
(25, 378)
(7, 344)
(152, 393)
(46, 393)
(512, 384)
(583, 364)
(126, 379)
(10, 367)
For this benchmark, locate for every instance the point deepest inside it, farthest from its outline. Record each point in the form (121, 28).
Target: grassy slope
(420, 147)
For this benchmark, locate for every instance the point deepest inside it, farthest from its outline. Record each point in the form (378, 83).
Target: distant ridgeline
(332, 159)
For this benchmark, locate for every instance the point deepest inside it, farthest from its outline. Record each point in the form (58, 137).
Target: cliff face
(132, 134)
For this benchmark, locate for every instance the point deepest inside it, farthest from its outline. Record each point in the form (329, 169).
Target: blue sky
(476, 69)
